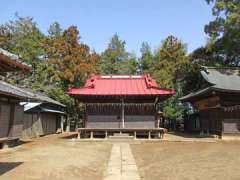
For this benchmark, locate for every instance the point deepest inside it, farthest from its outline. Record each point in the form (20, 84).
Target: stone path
(121, 165)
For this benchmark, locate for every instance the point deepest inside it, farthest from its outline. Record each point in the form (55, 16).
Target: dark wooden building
(218, 102)
(19, 119)
(43, 117)
(11, 113)
(120, 101)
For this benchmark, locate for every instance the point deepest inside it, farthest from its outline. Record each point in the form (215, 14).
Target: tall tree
(22, 36)
(70, 62)
(55, 29)
(225, 30)
(171, 64)
(146, 60)
(115, 57)
(128, 66)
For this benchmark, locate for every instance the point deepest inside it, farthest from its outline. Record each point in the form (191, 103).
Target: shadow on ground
(69, 136)
(23, 141)
(190, 135)
(8, 166)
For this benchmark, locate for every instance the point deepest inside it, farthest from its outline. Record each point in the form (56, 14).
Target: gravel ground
(188, 160)
(55, 158)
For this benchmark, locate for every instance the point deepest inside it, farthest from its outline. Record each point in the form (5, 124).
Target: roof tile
(120, 85)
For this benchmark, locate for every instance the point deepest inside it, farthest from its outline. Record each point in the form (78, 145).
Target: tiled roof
(219, 79)
(223, 78)
(11, 62)
(30, 105)
(39, 97)
(110, 85)
(13, 91)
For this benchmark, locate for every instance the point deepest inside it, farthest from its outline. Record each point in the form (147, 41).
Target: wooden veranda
(157, 132)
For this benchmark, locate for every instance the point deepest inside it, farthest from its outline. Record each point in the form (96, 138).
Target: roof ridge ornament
(149, 81)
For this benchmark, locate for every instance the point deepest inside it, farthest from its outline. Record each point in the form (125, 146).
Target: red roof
(109, 85)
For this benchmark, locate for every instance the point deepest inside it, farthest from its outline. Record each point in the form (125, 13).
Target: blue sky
(134, 21)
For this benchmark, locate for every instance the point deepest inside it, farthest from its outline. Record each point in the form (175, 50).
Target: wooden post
(149, 134)
(62, 121)
(68, 125)
(106, 134)
(163, 133)
(123, 120)
(135, 135)
(91, 135)
(79, 134)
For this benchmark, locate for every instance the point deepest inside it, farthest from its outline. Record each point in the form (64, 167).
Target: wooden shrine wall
(11, 119)
(38, 124)
(211, 120)
(110, 116)
(231, 122)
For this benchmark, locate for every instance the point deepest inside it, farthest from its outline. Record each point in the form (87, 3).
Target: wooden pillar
(68, 124)
(158, 119)
(123, 115)
(149, 134)
(106, 134)
(91, 135)
(79, 134)
(62, 123)
(162, 134)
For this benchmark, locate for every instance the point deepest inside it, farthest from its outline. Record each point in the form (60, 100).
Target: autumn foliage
(70, 62)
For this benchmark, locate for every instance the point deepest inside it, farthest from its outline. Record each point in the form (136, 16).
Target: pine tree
(114, 60)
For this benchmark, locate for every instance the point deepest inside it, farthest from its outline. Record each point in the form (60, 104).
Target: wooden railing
(159, 131)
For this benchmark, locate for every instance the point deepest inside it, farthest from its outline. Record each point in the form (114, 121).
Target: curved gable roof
(223, 78)
(219, 79)
(117, 85)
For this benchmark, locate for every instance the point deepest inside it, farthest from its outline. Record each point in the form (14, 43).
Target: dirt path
(55, 158)
(188, 160)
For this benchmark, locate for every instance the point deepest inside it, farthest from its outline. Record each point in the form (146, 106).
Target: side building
(11, 113)
(42, 117)
(217, 103)
(19, 107)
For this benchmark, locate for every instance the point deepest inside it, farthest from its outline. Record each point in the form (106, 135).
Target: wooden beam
(123, 115)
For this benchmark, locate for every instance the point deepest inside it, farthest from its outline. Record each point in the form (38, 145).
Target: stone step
(121, 134)
(121, 137)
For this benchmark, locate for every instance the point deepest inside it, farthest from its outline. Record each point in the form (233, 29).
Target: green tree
(222, 49)
(22, 36)
(114, 58)
(171, 62)
(225, 30)
(146, 60)
(128, 66)
(170, 66)
(55, 29)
